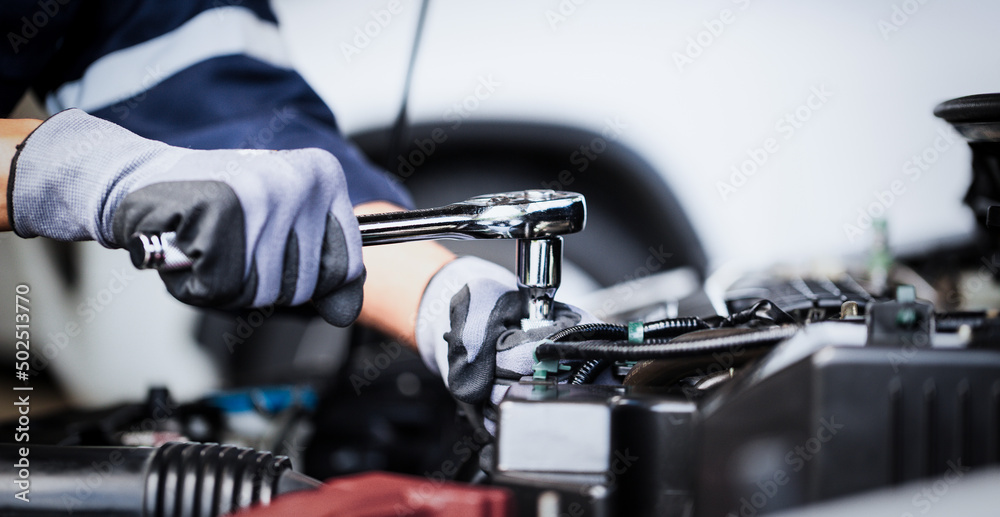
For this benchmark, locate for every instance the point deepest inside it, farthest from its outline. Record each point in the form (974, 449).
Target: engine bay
(755, 392)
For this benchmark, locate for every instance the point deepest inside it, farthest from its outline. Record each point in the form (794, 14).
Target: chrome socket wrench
(537, 219)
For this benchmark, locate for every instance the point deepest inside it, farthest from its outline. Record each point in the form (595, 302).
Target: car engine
(872, 384)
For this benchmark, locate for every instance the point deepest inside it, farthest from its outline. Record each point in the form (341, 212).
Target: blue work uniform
(202, 74)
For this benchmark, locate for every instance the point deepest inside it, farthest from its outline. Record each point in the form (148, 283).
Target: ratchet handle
(157, 251)
(528, 214)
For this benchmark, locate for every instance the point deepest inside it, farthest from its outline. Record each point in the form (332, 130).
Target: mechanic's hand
(469, 328)
(263, 227)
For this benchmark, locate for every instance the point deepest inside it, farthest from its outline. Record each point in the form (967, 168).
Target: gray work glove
(263, 227)
(469, 329)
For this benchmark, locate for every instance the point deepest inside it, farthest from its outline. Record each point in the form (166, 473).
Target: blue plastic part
(272, 399)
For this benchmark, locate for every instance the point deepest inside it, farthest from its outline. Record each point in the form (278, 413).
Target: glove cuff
(434, 314)
(70, 174)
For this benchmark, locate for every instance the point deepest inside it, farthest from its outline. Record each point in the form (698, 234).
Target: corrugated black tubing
(175, 480)
(613, 332)
(660, 349)
(589, 371)
(589, 331)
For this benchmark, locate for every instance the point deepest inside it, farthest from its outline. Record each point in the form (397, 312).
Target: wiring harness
(600, 344)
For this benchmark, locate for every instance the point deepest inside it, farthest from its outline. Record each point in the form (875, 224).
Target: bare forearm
(12, 133)
(397, 276)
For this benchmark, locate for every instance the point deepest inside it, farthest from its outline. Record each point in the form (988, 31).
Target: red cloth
(379, 494)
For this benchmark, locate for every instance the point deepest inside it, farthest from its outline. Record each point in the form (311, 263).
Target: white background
(616, 59)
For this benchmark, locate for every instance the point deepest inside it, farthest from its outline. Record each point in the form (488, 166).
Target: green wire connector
(635, 332)
(906, 293)
(546, 366)
(906, 318)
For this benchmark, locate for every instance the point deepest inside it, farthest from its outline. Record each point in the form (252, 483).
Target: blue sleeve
(237, 102)
(202, 74)
(34, 34)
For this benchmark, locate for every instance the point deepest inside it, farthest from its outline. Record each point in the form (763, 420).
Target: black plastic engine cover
(596, 451)
(845, 420)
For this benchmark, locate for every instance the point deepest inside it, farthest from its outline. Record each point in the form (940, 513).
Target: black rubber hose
(589, 371)
(613, 332)
(672, 327)
(656, 349)
(762, 310)
(590, 331)
(175, 480)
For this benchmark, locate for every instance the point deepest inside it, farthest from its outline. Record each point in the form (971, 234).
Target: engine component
(634, 332)
(977, 118)
(822, 415)
(669, 372)
(811, 389)
(658, 349)
(903, 322)
(810, 298)
(596, 450)
(175, 480)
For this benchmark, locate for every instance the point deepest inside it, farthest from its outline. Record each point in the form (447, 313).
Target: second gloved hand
(262, 227)
(469, 328)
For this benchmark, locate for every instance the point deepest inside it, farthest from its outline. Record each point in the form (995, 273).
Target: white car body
(838, 95)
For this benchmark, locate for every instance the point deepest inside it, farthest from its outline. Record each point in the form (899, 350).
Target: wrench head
(529, 214)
